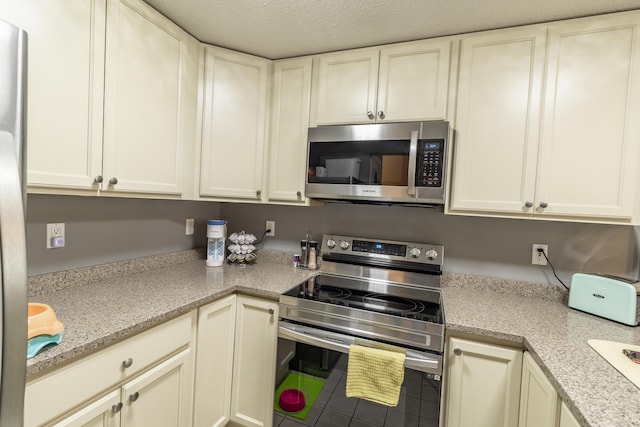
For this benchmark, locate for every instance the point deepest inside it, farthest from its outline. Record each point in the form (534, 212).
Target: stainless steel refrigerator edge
(13, 198)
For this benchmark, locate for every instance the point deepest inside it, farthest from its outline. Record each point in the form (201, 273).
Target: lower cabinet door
(538, 398)
(104, 412)
(214, 363)
(254, 363)
(162, 396)
(566, 417)
(483, 385)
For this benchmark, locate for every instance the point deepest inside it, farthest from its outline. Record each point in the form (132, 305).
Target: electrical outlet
(188, 227)
(271, 225)
(55, 235)
(536, 257)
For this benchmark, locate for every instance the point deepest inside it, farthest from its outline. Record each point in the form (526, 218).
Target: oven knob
(414, 253)
(331, 243)
(431, 254)
(344, 245)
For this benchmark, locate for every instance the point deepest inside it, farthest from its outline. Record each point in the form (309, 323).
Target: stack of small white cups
(242, 250)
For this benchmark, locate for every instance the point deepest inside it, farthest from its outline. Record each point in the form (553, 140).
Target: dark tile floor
(418, 405)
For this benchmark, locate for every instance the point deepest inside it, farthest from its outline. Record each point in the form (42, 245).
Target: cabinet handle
(299, 194)
(113, 181)
(98, 179)
(528, 204)
(127, 363)
(544, 204)
(258, 193)
(133, 397)
(381, 114)
(116, 408)
(271, 311)
(371, 115)
(457, 351)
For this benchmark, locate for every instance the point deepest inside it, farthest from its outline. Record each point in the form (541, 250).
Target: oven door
(308, 352)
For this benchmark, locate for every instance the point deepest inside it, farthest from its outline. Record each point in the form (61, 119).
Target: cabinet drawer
(50, 396)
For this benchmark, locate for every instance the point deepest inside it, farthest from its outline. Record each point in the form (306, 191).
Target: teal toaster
(610, 297)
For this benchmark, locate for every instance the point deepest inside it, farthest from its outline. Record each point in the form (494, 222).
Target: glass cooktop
(381, 297)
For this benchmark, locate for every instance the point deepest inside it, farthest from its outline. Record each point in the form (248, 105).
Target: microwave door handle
(413, 154)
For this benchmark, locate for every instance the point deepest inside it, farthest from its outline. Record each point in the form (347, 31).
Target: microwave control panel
(429, 163)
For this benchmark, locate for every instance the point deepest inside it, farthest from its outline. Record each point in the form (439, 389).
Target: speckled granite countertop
(556, 336)
(106, 311)
(104, 306)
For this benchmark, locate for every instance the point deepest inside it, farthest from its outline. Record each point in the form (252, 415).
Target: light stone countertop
(118, 302)
(556, 336)
(104, 312)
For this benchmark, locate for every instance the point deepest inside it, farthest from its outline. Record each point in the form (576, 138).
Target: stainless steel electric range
(377, 293)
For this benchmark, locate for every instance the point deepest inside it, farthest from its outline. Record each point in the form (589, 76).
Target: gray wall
(100, 230)
(485, 246)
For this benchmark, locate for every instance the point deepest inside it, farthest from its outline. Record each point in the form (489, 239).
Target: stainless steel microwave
(379, 163)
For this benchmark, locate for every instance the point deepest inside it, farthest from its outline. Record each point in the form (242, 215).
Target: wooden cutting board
(611, 351)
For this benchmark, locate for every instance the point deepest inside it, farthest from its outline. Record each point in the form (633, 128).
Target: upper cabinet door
(591, 130)
(146, 76)
(497, 120)
(233, 136)
(289, 123)
(413, 81)
(346, 87)
(65, 81)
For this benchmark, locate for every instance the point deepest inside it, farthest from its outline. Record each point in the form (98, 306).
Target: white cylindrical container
(216, 236)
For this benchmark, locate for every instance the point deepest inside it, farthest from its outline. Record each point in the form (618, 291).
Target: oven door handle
(341, 343)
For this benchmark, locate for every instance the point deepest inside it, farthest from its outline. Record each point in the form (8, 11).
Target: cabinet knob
(528, 204)
(127, 363)
(258, 193)
(133, 397)
(381, 114)
(116, 408)
(113, 181)
(271, 311)
(457, 351)
(299, 194)
(371, 115)
(98, 179)
(544, 204)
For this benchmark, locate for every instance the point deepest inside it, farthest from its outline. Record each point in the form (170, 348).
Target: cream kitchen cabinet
(144, 380)
(104, 412)
(232, 154)
(291, 92)
(150, 100)
(155, 398)
(253, 388)
(539, 401)
(566, 417)
(65, 96)
(109, 100)
(214, 366)
(497, 120)
(483, 384)
(563, 151)
(400, 82)
(589, 150)
(236, 362)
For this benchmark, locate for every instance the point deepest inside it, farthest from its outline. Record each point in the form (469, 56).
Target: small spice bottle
(313, 261)
(304, 255)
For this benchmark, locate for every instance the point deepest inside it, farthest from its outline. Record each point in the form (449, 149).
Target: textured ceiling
(285, 28)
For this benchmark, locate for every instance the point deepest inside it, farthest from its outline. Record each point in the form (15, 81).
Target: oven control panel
(392, 250)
